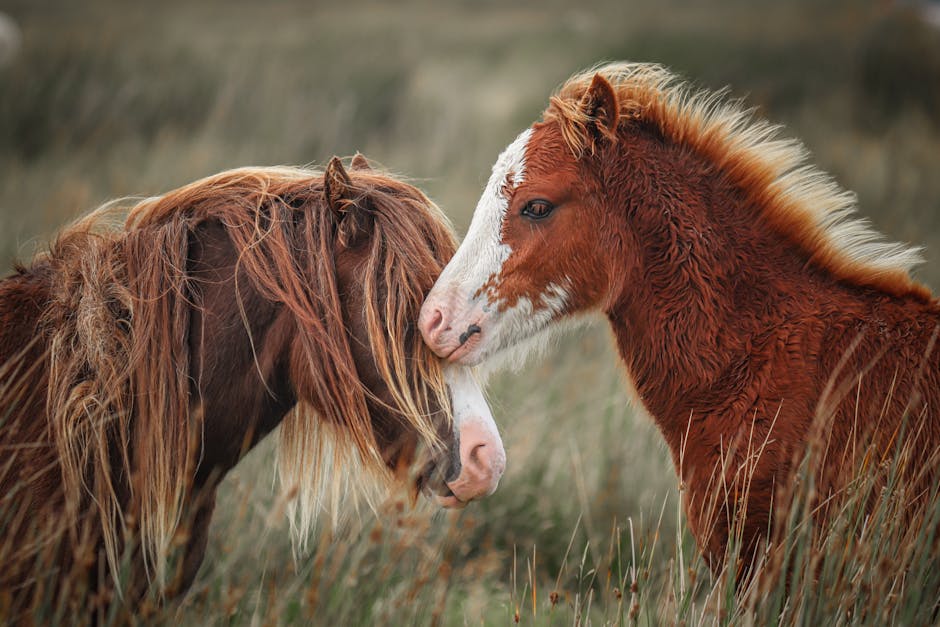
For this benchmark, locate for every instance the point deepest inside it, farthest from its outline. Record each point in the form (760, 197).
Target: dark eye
(537, 209)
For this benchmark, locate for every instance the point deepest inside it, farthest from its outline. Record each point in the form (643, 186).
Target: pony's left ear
(599, 104)
(349, 206)
(359, 162)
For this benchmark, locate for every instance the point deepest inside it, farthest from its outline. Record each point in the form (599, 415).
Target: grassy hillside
(111, 99)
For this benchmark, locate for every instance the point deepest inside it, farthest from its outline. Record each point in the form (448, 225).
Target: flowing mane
(120, 303)
(798, 199)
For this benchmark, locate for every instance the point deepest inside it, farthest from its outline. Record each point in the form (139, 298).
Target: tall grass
(107, 99)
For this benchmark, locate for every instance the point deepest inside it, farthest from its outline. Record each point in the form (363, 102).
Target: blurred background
(100, 99)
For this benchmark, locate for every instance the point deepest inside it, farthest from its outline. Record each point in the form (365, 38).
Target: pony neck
(708, 285)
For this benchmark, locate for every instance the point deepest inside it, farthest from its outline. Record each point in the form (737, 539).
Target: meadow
(109, 99)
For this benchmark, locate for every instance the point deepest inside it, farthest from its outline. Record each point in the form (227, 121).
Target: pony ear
(349, 207)
(360, 163)
(599, 104)
(336, 186)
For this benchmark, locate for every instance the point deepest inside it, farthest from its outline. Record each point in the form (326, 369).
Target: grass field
(111, 99)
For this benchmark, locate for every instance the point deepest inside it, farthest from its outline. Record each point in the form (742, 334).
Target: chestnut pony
(752, 309)
(140, 363)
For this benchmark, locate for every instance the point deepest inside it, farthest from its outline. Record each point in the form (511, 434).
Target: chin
(513, 352)
(450, 502)
(470, 358)
(469, 354)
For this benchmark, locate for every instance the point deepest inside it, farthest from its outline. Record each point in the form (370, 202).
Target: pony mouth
(450, 500)
(498, 342)
(463, 350)
(470, 339)
(432, 481)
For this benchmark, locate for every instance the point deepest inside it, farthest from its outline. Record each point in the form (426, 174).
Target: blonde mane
(798, 199)
(119, 360)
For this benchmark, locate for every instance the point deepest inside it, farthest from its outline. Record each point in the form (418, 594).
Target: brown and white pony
(751, 307)
(140, 363)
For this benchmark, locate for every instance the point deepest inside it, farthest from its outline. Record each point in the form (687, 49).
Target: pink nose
(433, 327)
(482, 463)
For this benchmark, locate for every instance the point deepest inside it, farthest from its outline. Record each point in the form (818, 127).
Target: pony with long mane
(756, 314)
(142, 361)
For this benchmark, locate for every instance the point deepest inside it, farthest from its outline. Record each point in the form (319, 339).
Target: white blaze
(507, 332)
(482, 253)
(482, 456)
(466, 397)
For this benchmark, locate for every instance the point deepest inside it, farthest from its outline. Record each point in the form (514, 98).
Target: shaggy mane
(798, 199)
(119, 320)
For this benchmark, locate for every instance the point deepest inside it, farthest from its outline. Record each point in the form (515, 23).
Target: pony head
(533, 254)
(391, 244)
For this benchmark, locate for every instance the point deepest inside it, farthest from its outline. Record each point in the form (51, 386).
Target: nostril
(482, 460)
(477, 453)
(437, 317)
(431, 323)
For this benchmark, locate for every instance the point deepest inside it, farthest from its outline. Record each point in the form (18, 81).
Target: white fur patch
(479, 260)
(466, 397)
(515, 326)
(482, 253)
(475, 426)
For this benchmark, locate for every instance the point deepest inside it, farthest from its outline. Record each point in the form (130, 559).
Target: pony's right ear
(336, 186)
(353, 217)
(599, 104)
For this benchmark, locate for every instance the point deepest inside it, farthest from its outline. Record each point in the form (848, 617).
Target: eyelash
(530, 212)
